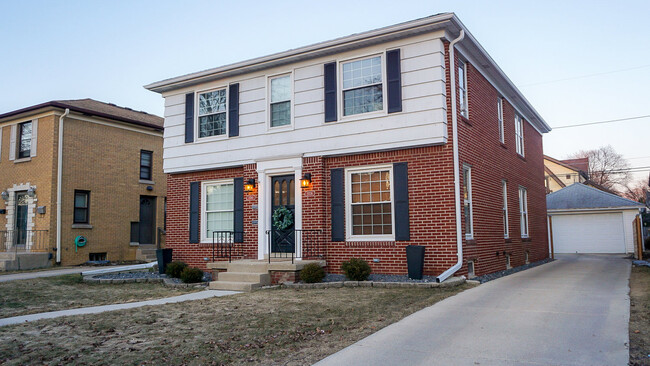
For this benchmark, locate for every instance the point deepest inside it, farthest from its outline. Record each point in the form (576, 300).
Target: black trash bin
(164, 257)
(415, 261)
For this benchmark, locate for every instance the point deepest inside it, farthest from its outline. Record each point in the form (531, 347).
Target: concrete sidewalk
(46, 273)
(100, 309)
(573, 311)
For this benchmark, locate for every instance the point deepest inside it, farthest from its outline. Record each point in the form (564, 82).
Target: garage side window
(523, 211)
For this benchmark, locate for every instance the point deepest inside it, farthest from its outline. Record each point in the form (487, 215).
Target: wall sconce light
(5, 195)
(249, 186)
(31, 192)
(305, 181)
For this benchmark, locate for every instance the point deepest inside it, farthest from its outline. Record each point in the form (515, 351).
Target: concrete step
(234, 286)
(248, 267)
(260, 278)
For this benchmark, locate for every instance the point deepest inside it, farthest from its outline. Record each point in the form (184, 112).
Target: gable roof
(580, 196)
(95, 108)
(444, 21)
(570, 163)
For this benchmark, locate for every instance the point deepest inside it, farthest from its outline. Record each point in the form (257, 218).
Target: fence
(24, 241)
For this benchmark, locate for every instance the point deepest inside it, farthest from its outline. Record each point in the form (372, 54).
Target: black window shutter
(394, 76)
(330, 92)
(189, 117)
(239, 210)
(233, 110)
(400, 179)
(194, 212)
(338, 205)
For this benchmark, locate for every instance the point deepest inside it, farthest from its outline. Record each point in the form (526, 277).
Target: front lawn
(45, 294)
(270, 327)
(640, 316)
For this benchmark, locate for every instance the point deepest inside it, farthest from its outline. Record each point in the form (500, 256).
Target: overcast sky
(575, 61)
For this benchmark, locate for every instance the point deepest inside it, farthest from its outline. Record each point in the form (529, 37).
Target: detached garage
(584, 219)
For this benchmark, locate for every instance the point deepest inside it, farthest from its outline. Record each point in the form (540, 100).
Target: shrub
(175, 268)
(356, 269)
(312, 273)
(191, 275)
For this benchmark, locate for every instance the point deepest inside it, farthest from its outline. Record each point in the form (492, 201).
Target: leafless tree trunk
(607, 167)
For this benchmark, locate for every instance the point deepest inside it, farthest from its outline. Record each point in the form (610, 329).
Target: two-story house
(563, 173)
(80, 180)
(358, 147)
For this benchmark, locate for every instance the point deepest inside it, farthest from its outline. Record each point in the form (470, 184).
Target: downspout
(59, 177)
(454, 128)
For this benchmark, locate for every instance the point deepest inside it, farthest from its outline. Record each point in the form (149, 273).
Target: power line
(584, 76)
(601, 122)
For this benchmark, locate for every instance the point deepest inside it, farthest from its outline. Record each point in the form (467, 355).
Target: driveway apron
(573, 311)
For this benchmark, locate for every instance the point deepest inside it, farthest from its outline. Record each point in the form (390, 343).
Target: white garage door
(589, 233)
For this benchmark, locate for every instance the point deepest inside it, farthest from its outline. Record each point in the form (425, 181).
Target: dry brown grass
(640, 316)
(39, 295)
(271, 327)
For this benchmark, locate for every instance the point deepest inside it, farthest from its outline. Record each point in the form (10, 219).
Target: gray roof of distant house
(580, 196)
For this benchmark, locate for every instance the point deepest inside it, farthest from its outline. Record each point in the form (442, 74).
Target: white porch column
(262, 218)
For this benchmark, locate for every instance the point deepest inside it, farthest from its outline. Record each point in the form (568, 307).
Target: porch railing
(224, 245)
(310, 243)
(24, 241)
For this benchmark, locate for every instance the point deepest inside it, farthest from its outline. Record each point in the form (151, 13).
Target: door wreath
(282, 218)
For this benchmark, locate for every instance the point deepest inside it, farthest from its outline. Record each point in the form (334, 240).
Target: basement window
(526, 257)
(94, 257)
(508, 265)
(470, 269)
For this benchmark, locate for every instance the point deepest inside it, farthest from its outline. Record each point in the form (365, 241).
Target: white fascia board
(574, 211)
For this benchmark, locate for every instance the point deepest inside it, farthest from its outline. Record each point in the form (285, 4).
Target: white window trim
(348, 203)
(506, 224)
(463, 85)
(203, 223)
(468, 168)
(339, 90)
(291, 125)
(196, 115)
(502, 130)
(523, 209)
(519, 135)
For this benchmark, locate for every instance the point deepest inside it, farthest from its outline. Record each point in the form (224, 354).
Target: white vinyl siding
(462, 89)
(519, 134)
(212, 113)
(523, 211)
(500, 123)
(369, 203)
(504, 190)
(467, 202)
(280, 100)
(217, 212)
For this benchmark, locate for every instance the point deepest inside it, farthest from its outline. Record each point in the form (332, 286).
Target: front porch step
(248, 266)
(234, 286)
(263, 279)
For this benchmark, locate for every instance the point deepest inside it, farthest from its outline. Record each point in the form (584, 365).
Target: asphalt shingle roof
(580, 196)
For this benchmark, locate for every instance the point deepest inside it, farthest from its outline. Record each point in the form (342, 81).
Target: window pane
(280, 89)
(145, 158)
(280, 114)
(212, 125)
(145, 172)
(219, 221)
(362, 100)
(219, 197)
(362, 72)
(212, 102)
(81, 200)
(80, 215)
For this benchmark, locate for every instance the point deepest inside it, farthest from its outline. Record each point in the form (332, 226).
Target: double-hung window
(462, 89)
(212, 113)
(500, 116)
(523, 211)
(280, 108)
(81, 207)
(218, 207)
(362, 86)
(24, 140)
(519, 134)
(370, 207)
(145, 164)
(504, 190)
(467, 202)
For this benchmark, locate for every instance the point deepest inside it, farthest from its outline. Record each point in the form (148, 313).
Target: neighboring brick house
(563, 173)
(353, 140)
(111, 175)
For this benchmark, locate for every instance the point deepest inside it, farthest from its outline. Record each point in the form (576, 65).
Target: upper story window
(519, 134)
(462, 89)
(24, 140)
(362, 86)
(370, 203)
(280, 106)
(81, 207)
(218, 208)
(504, 188)
(467, 202)
(500, 117)
(523, 211)
(212, 113)
(146, 164)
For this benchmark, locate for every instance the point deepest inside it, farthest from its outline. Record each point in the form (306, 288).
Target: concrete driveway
(573, 311)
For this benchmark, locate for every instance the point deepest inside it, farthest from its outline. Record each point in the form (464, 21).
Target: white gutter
(59, 176)
(454, 128)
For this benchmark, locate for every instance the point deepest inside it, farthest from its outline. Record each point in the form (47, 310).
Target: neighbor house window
(500, 116)
(504, 190)
(362, 86)
(462, 89)
(523, 211)
(370, 208)
(212, 113)
(280, 101)
(81, 207)
(467, 201)
(218, 207)
(145, 164)
(24, 140)
(519, 134)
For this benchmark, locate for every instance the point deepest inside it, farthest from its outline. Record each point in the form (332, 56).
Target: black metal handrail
(24, 241)
(310, 242)
(224, 244)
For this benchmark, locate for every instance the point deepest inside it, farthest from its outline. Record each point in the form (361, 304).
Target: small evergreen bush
(312, 273)
(191, 275)
(356, 269)
(175, 268)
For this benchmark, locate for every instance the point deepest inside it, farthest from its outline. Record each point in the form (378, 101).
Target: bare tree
(606, 167)
(637, 190)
